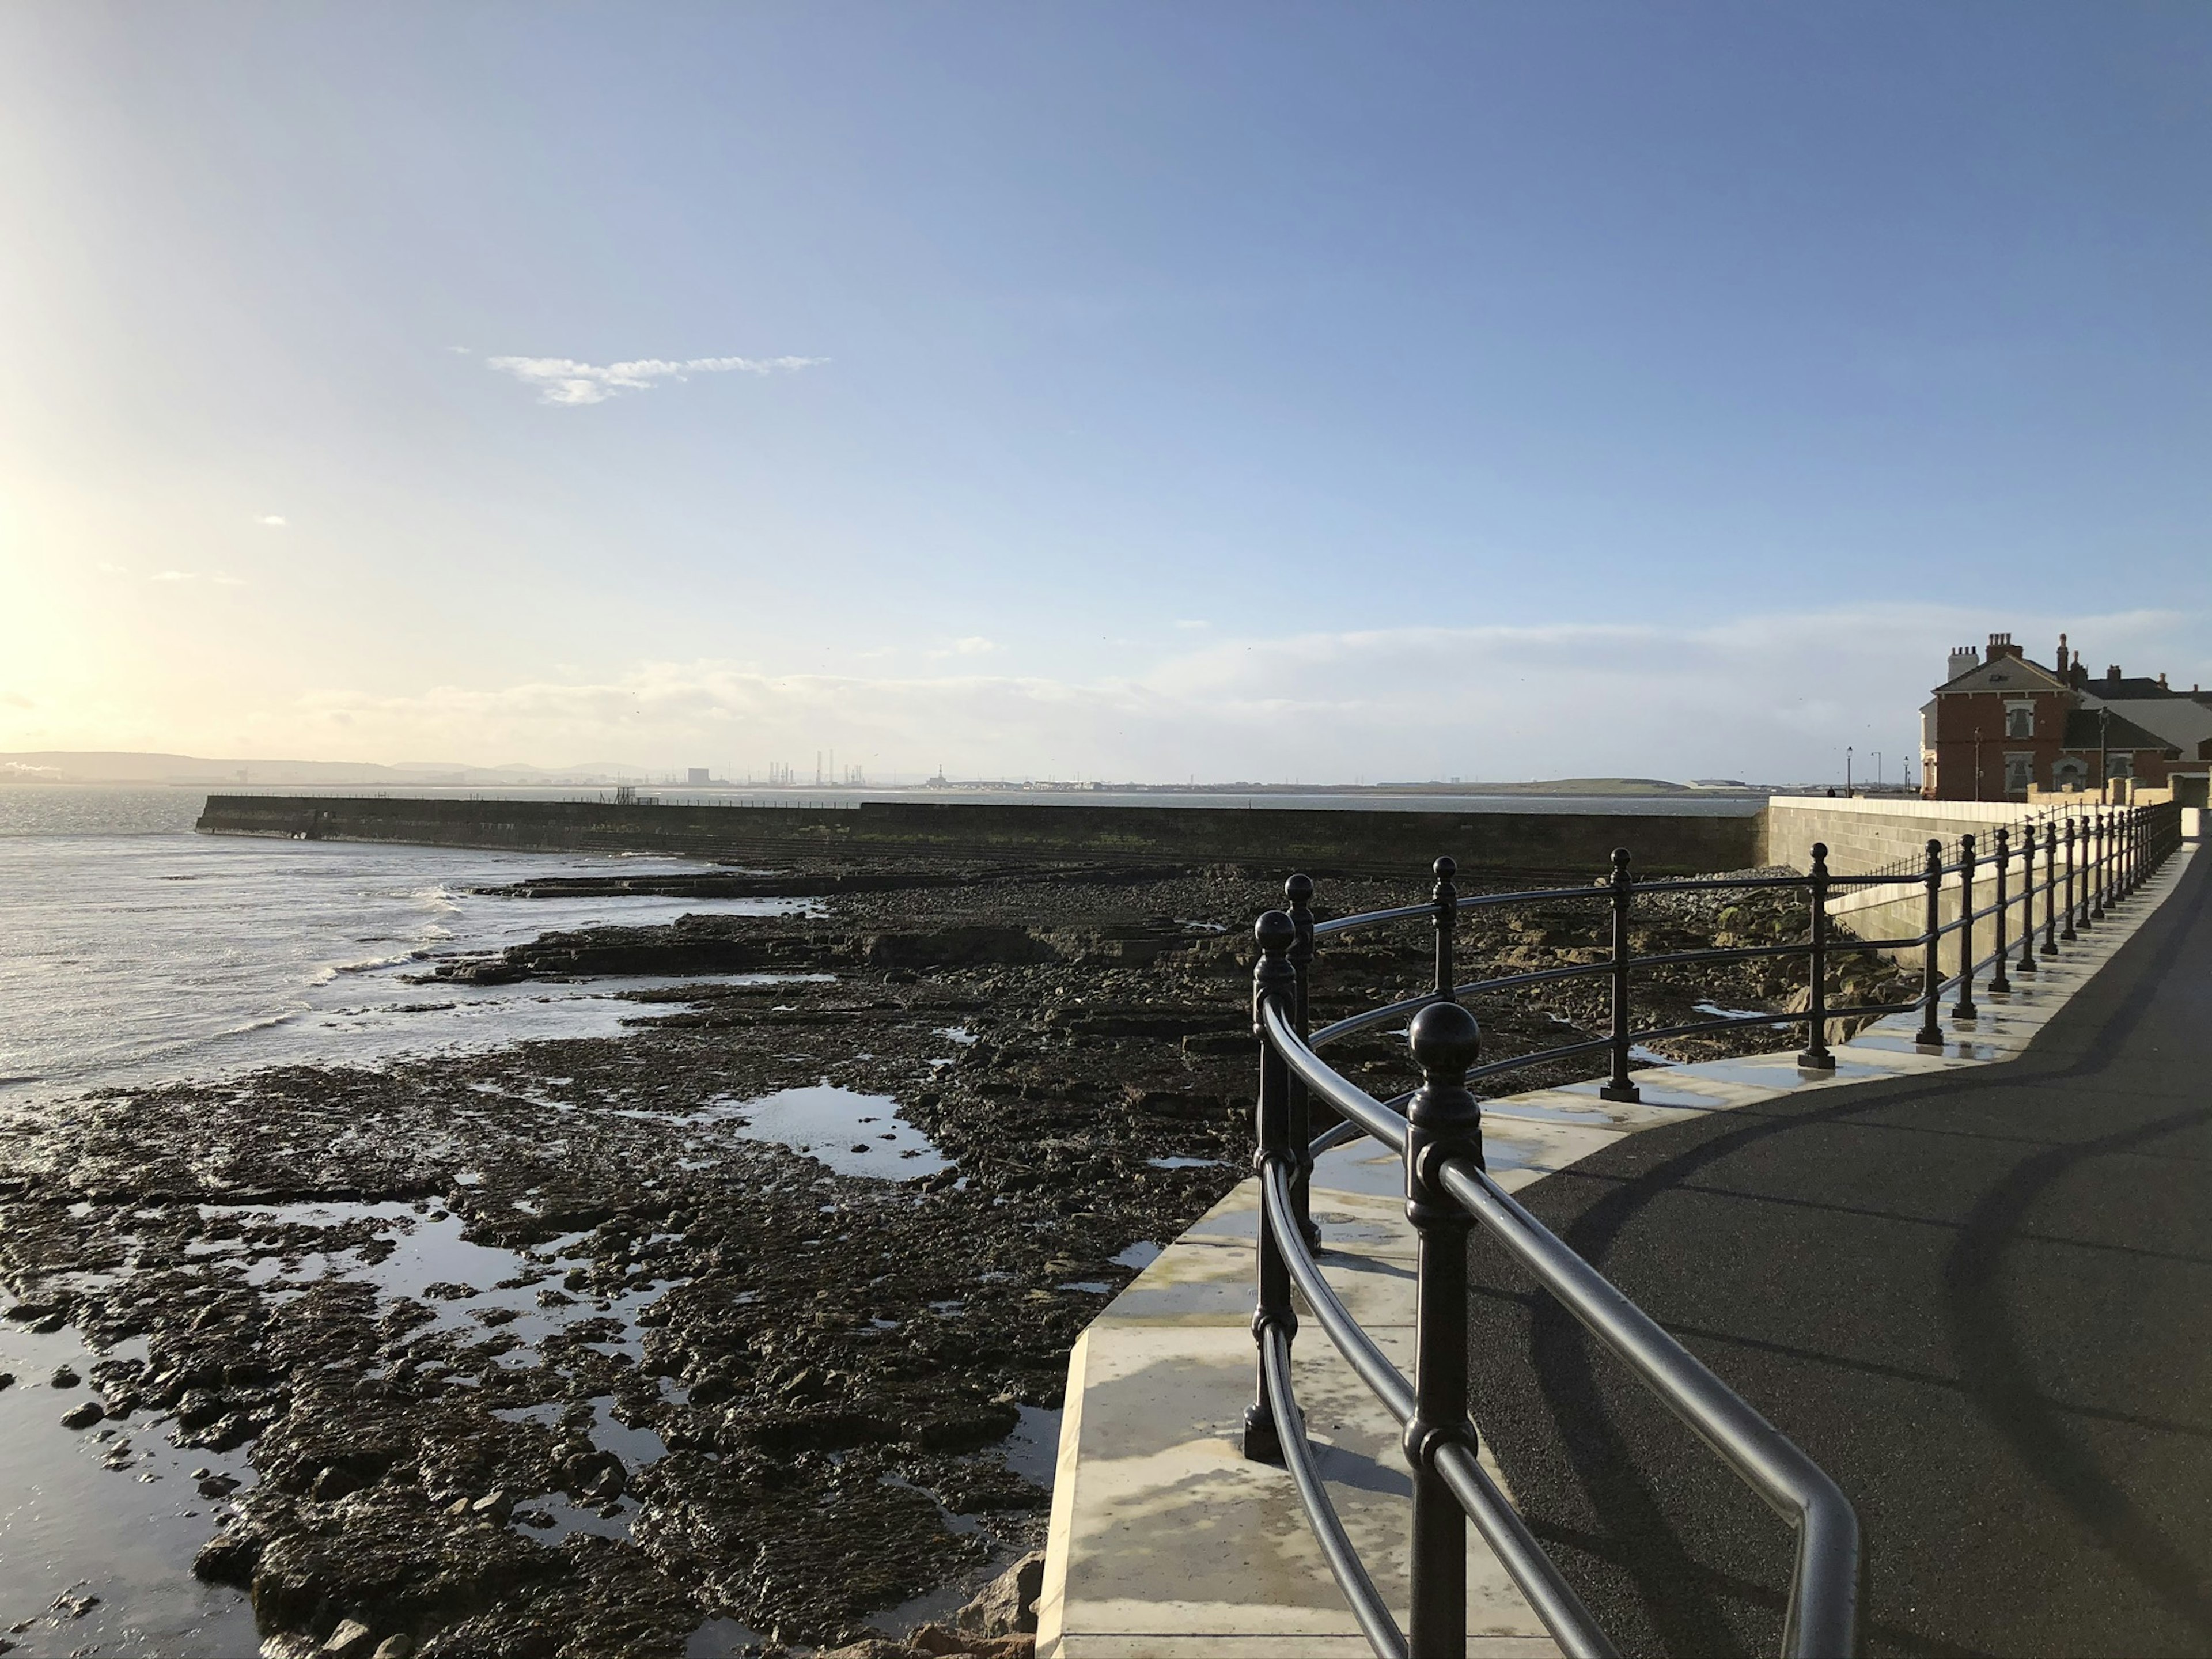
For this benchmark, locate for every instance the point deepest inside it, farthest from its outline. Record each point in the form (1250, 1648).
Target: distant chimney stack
(2162, 685)
(2001, 645)
(2061, 656)
(2112, 675)
(1964, 660)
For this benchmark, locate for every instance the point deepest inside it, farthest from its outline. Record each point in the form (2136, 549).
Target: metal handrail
(1437, 1132)
(1824, 1590)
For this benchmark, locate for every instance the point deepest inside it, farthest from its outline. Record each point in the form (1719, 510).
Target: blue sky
(1243, 390)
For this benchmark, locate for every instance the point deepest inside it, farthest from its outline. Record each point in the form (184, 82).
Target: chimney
(2061, 656)
(2001, 645)
(2113, 677)
(1964, 660)
(2162, 685)
(2078, 676)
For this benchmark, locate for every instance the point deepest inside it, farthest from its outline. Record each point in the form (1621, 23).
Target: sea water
(133, 949)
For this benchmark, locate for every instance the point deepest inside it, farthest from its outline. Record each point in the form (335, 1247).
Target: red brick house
(2000, 723)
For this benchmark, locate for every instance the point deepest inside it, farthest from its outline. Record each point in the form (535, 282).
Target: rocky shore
(568, 1350)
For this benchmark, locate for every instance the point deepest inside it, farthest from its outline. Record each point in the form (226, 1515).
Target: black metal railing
(2099, 854)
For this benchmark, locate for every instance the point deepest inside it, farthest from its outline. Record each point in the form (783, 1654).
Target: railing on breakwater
(2092, 857)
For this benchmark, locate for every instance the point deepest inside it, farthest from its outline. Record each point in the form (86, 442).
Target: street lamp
(1847, 771)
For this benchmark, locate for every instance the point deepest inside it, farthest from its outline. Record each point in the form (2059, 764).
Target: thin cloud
(220, 578)
(273, 520)
(1754, 697)
(564, 380)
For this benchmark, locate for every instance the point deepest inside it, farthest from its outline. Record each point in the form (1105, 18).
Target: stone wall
(1867, 834)
(1399, 842)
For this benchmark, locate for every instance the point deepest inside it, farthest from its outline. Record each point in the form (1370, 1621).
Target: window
(2020, 719)
(2020, 772)
(2069, 774)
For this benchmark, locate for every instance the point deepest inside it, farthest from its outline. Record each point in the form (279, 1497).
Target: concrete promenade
(1808, 1300)
(1981, 1300)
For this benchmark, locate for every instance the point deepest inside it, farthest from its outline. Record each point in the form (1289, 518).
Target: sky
(1268, 392)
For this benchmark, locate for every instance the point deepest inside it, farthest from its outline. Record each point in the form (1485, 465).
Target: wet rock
(7, 1379)
(495, 1507)
(63, 1377)
(199, 1407)
(398, 1645)
(228, 1557)
(1007, 1605)
(82, 1415)
(66, 1606)
(350, 1640)
(217, 1485)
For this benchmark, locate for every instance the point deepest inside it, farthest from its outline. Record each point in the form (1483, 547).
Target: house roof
(2103, 728)
(2007, 674)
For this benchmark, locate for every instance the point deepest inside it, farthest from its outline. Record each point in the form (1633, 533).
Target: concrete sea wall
(1865, 836)
(1397, 842)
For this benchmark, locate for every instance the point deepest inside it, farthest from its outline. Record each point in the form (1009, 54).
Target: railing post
(1299, 889)
(1965, 1008)
(1446, 898)
(2097, 871)
(1930, 1034)
(1618, 1087)
(1816, 1057)
(2069, 935)
(1273, 980)
(1443, 1123)
(1999, 984)
(2026, 963)
(2049, 890)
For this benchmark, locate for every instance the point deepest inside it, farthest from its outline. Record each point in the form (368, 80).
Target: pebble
(63, 1377)
(82, 1415)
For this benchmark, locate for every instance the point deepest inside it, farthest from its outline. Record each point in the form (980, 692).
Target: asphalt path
(1982, 1302)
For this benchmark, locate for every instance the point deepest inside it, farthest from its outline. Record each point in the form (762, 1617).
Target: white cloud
(974, 646)
(565, 380)
(272, 520)
(220, 578)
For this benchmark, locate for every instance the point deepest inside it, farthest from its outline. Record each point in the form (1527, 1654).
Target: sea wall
(1573, 843)
(1865, 835)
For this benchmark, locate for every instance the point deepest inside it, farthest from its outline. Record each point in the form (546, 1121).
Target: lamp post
(1847, 771)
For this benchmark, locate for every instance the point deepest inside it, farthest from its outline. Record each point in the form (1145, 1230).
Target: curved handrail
(1824, 1591)
(1823, 1596)
(1448, 1188)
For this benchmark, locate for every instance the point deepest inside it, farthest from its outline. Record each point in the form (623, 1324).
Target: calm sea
(132, 949)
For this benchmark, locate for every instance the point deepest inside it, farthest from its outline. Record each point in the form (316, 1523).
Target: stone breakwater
(549, 1352)
(1392, 842)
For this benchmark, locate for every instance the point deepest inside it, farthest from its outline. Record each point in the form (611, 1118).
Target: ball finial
(1446, 867)
(1275, 933)
(1299, 889)
(1446, 1041)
